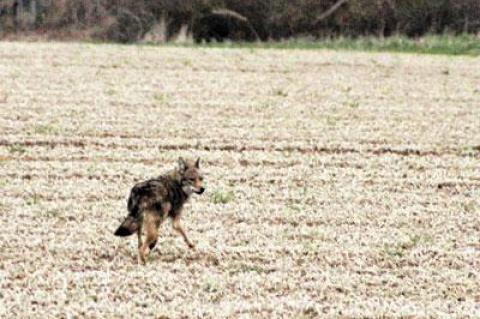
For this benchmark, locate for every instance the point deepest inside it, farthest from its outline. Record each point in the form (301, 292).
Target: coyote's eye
(201, 178)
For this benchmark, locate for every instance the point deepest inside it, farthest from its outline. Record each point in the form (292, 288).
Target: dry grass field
(339, 184)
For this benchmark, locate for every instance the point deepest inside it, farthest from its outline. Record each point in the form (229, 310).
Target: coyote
(152, 201)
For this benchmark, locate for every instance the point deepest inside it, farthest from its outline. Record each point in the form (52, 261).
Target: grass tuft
(219, 197)
(16, 148)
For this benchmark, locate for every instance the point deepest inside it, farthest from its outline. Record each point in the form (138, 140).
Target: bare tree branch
(230, 13)
(330, 11)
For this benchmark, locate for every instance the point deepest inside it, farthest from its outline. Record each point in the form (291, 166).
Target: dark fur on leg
(152, 245)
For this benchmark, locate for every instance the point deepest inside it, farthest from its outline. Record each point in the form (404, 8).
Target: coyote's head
(191, 179)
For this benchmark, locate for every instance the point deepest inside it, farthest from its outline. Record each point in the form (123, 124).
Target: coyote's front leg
(178, 227)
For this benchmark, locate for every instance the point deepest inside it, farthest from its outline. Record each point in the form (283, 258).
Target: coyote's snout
(152, 201)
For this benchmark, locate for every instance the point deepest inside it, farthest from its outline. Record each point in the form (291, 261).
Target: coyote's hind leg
(150, 224)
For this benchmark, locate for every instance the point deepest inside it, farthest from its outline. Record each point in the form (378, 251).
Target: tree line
(245, 20)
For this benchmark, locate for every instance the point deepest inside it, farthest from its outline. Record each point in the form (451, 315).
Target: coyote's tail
(128, 227)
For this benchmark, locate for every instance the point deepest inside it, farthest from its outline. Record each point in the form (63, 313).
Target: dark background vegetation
(245, 20)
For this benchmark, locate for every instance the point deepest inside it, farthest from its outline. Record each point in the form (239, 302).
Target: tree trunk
(19, 10)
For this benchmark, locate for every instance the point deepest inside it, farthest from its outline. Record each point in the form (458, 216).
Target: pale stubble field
(339, 184)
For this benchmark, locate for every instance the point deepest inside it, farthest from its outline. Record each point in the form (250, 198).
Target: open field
(339, 184)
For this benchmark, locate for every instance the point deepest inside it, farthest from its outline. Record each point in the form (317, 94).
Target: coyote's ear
(197, 163)
(182, 165)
